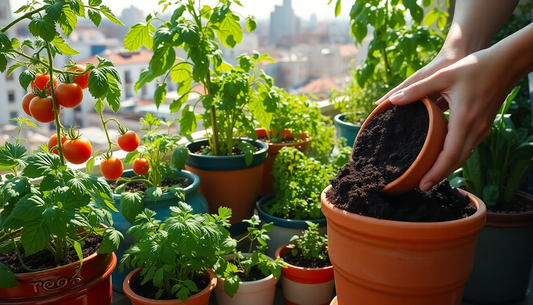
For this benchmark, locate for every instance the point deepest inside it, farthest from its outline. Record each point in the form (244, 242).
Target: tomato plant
(26, 102)
(42, 109)
(77, 150)
(140, 166)
(81, 80)
(111, 168)
(53, 142)
(128, 141)
(69, 95)
(42, 80)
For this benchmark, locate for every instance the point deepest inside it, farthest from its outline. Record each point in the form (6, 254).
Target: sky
(259, 8)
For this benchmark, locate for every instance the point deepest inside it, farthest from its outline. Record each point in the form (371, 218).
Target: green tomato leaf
(40, 164)
(54, 10)
(181, 72)
(43, 27)
(68, 20)
(3, 63)
(95, 17)
(62, 47)
(131, 205)
(248, 151)
(251, 24)
(179, 156)
(107, 12)
(160, 94)
(30, 207)
(111, 241)
(138, 36)
(113, 93)
(98, 83)
(145, 77)
(154, 192)
(337, 8)
(229, 31)
(187, 121)
(7, 278)
(231, 284)
(26, 77)
(35, 236)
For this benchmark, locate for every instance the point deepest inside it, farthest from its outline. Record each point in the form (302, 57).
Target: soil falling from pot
(383, 151)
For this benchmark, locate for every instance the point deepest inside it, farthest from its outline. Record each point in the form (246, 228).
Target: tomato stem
(54, 102)
(104, 124)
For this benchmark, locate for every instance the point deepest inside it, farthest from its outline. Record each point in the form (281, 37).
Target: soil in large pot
(384, 150)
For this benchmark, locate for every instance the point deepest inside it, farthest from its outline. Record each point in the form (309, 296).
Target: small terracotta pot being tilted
(438, 128)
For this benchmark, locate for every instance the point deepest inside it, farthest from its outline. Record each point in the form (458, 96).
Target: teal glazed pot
(192, 197)
(283, 228)
(346, 130)
(228, 182)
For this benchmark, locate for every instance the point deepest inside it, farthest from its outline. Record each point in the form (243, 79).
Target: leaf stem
(104, 125)
(27, 15)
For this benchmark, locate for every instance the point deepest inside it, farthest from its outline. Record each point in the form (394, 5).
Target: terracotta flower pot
(62, 286)
(438, 128)
(304, 286)
(380, 261)
(267, 179)
(200, 298)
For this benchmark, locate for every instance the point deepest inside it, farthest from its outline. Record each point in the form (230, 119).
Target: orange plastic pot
(63, 286)
(438, 128)
(380, 261)
(201, 298)
(267, 179)
(302, 286)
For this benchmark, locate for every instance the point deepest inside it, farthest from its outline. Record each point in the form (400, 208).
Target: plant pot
(161, 207)
(346, 130)
(260, 292)
(503, 258)
(200, 298)
(227, 180)
(306, 286)
(380, 261)
(64, 286)
(284, 229)
(267, 179)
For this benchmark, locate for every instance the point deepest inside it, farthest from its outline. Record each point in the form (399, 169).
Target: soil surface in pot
(518, 205)
(300, 261)
(254, 275)
(383, 152)
(45, 260)
(148, 290)
(206, 150)
(138, 186)
(284, 141)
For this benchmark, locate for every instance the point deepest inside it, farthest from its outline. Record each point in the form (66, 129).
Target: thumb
(416, 91)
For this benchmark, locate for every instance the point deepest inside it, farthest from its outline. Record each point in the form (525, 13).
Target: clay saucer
(438, 127)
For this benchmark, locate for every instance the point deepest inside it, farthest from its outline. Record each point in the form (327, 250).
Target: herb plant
(501, 163)
(172, 253)
(240, 266)
(310, 244)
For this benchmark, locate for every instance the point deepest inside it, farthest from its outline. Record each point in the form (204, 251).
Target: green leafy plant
(311, 245)
(299, 181)
(238, 268)
(398, 47)
(157, 148)
(501, 163)
(226, 91)
(184, 246)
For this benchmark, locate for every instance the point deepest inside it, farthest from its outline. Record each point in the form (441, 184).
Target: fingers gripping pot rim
(438, 128)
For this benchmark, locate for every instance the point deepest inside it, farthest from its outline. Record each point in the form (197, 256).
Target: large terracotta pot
(305, 286)
(200, 298)
(503, 258)
(228, 181)
(267, 179)
(380, 261)
(62, 286)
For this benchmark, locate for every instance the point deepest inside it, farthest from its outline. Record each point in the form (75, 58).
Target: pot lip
(263, 147)
(339, 119)
(278, 255)
(283, 222)
(522, 219)
(472, 223)
(131, 294)
(303, 137)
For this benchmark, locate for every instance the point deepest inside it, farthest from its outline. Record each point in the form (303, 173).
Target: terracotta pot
(267, 179)
(503, 259)
(227, 180)
(438, 128)
(60, 286)
(345, 129)
(200, 298)
(305, 286)
(380, 261)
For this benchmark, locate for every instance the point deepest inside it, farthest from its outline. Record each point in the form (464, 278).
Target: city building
(283, 23)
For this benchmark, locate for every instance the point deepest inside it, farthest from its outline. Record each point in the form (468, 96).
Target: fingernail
(426, 186)
(396, 97)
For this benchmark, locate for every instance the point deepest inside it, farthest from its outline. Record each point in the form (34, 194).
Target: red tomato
(41, 109)
(53, 142)
(111, 168)
(41, 80)
(140, 166)
(77, 150)
(81, 80)
(68, 95)
(26, 102)
(128, 141)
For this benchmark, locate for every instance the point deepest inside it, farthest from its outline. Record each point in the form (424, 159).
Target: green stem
(19, 256)
(9, 235)
(54, 102)
(104, 125)
(27, 15)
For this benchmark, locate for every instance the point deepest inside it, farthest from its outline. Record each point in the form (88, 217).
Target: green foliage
(501, 163)
(240, 265)
(183, 246)
(310, 244)
(398, 48)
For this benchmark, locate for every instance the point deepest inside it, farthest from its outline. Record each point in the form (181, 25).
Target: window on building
(3, 14)
(11, 96)
(129, 92)
(12, 115)
(127, 77)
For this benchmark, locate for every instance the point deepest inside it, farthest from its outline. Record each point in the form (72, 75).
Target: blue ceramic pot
(345, 129)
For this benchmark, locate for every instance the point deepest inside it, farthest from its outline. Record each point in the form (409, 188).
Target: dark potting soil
(384, 151)
(45, 260)
(300, 261)
(518, 205)
(284, 141)
(138, 186)
(148, 290)
(206, 150)
(254, 275)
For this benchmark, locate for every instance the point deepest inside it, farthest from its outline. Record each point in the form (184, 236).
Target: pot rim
(302, 136)
(278, 255)
(339, 119)
(284, 222)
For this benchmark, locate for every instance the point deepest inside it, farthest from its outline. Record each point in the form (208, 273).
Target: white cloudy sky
(259, 8)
